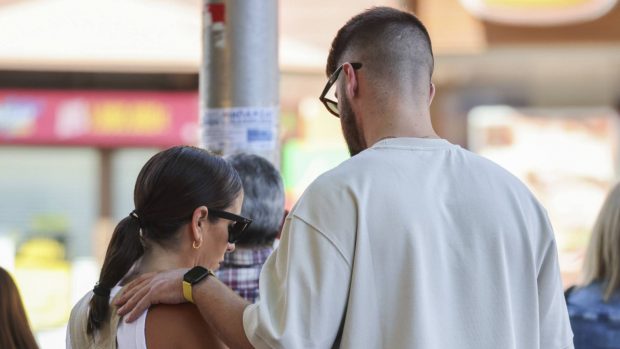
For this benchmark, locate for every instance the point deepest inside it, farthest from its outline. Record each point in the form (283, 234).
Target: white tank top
(132, 335)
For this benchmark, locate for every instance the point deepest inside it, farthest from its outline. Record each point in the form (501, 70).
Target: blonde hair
(602, 261)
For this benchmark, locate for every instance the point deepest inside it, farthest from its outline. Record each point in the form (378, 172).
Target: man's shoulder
(81, 308)
(495, 172)
(339, 183)
(329, 202)
(353, 168)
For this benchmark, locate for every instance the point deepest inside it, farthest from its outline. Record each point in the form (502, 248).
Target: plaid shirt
(241, 269)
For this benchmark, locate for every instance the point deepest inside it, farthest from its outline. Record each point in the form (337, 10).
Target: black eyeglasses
(332, 106)
(237, 227)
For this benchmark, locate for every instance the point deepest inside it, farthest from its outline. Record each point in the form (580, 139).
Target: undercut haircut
(392, 45)
(602, 260)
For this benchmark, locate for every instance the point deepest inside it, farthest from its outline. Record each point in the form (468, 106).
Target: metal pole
(239, 104)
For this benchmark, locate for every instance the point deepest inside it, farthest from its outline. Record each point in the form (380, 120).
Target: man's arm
(219, 305)
(304, 287)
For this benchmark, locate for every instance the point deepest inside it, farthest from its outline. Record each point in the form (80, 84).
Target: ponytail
(124, 249)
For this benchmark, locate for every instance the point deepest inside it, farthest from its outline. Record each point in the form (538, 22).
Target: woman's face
(215, 242)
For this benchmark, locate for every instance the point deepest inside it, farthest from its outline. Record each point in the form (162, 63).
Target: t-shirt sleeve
(555, 330)
(303, 291)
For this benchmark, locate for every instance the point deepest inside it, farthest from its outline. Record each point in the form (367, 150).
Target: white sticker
(230, 130)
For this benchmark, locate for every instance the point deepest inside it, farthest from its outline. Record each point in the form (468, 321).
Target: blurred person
(187, 203)
(263, 200)
(15, 330)
(412, 243)
(594, 306)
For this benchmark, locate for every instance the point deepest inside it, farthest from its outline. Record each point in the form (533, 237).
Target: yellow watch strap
(187, 286)
(187, 291)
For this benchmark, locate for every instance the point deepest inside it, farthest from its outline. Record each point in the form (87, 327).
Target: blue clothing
(595, 323)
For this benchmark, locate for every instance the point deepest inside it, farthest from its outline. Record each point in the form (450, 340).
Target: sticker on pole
(230, 130)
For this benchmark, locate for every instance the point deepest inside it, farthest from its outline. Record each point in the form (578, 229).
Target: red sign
(218, 13)
(98, 118)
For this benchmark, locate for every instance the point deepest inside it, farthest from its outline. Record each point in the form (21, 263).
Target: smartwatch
(192, 277)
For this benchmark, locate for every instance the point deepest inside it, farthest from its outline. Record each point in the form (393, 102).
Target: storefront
(68, 164)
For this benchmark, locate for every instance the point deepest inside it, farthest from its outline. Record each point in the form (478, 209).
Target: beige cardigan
(105, 337)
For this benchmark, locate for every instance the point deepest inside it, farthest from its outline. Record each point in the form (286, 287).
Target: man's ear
(431, 93)
(351, 83)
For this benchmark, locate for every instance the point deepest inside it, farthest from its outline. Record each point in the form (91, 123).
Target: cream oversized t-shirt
(413, 243)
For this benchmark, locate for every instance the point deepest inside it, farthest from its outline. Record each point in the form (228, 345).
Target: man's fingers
(131, 288)
(142, 306)
(148, 289)
(137, 294)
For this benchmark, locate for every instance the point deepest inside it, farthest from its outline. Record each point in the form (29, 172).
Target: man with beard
(411, 243)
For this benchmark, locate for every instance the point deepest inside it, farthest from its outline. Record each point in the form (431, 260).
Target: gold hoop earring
(196, 246)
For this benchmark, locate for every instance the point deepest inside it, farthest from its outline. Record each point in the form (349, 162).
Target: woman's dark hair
(170, 186)
(15, 331)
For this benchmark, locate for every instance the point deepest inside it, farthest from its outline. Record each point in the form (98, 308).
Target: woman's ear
(199, 222)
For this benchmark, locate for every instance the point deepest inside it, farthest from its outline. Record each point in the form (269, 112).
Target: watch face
(195, 274)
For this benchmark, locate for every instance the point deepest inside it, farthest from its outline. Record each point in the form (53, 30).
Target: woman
(179, 196)
(14, 328)
(594, 308)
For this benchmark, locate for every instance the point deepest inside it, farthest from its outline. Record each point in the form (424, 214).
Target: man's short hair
(263, 199)
(387, 40)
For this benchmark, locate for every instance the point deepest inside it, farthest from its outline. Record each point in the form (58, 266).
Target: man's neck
(396, 121)
(398, 133)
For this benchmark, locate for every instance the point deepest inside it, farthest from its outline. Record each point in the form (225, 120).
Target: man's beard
(350, 131)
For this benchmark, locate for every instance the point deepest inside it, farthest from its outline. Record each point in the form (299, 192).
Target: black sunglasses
(237, 227)
(332, 106)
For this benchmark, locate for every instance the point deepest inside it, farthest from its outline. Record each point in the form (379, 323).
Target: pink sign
(98, 118)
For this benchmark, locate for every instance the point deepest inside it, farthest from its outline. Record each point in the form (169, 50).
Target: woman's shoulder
(80, 309)
(76, 328)
(179, 326)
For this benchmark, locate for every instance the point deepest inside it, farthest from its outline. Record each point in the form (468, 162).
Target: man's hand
(148, 289)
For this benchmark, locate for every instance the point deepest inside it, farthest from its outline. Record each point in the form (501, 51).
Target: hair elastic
(101, 291)
(134, 215)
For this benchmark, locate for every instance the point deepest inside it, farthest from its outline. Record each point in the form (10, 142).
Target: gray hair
(263, 198)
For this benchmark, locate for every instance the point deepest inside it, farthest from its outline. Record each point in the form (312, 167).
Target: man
(263, 200)
(411, 243)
